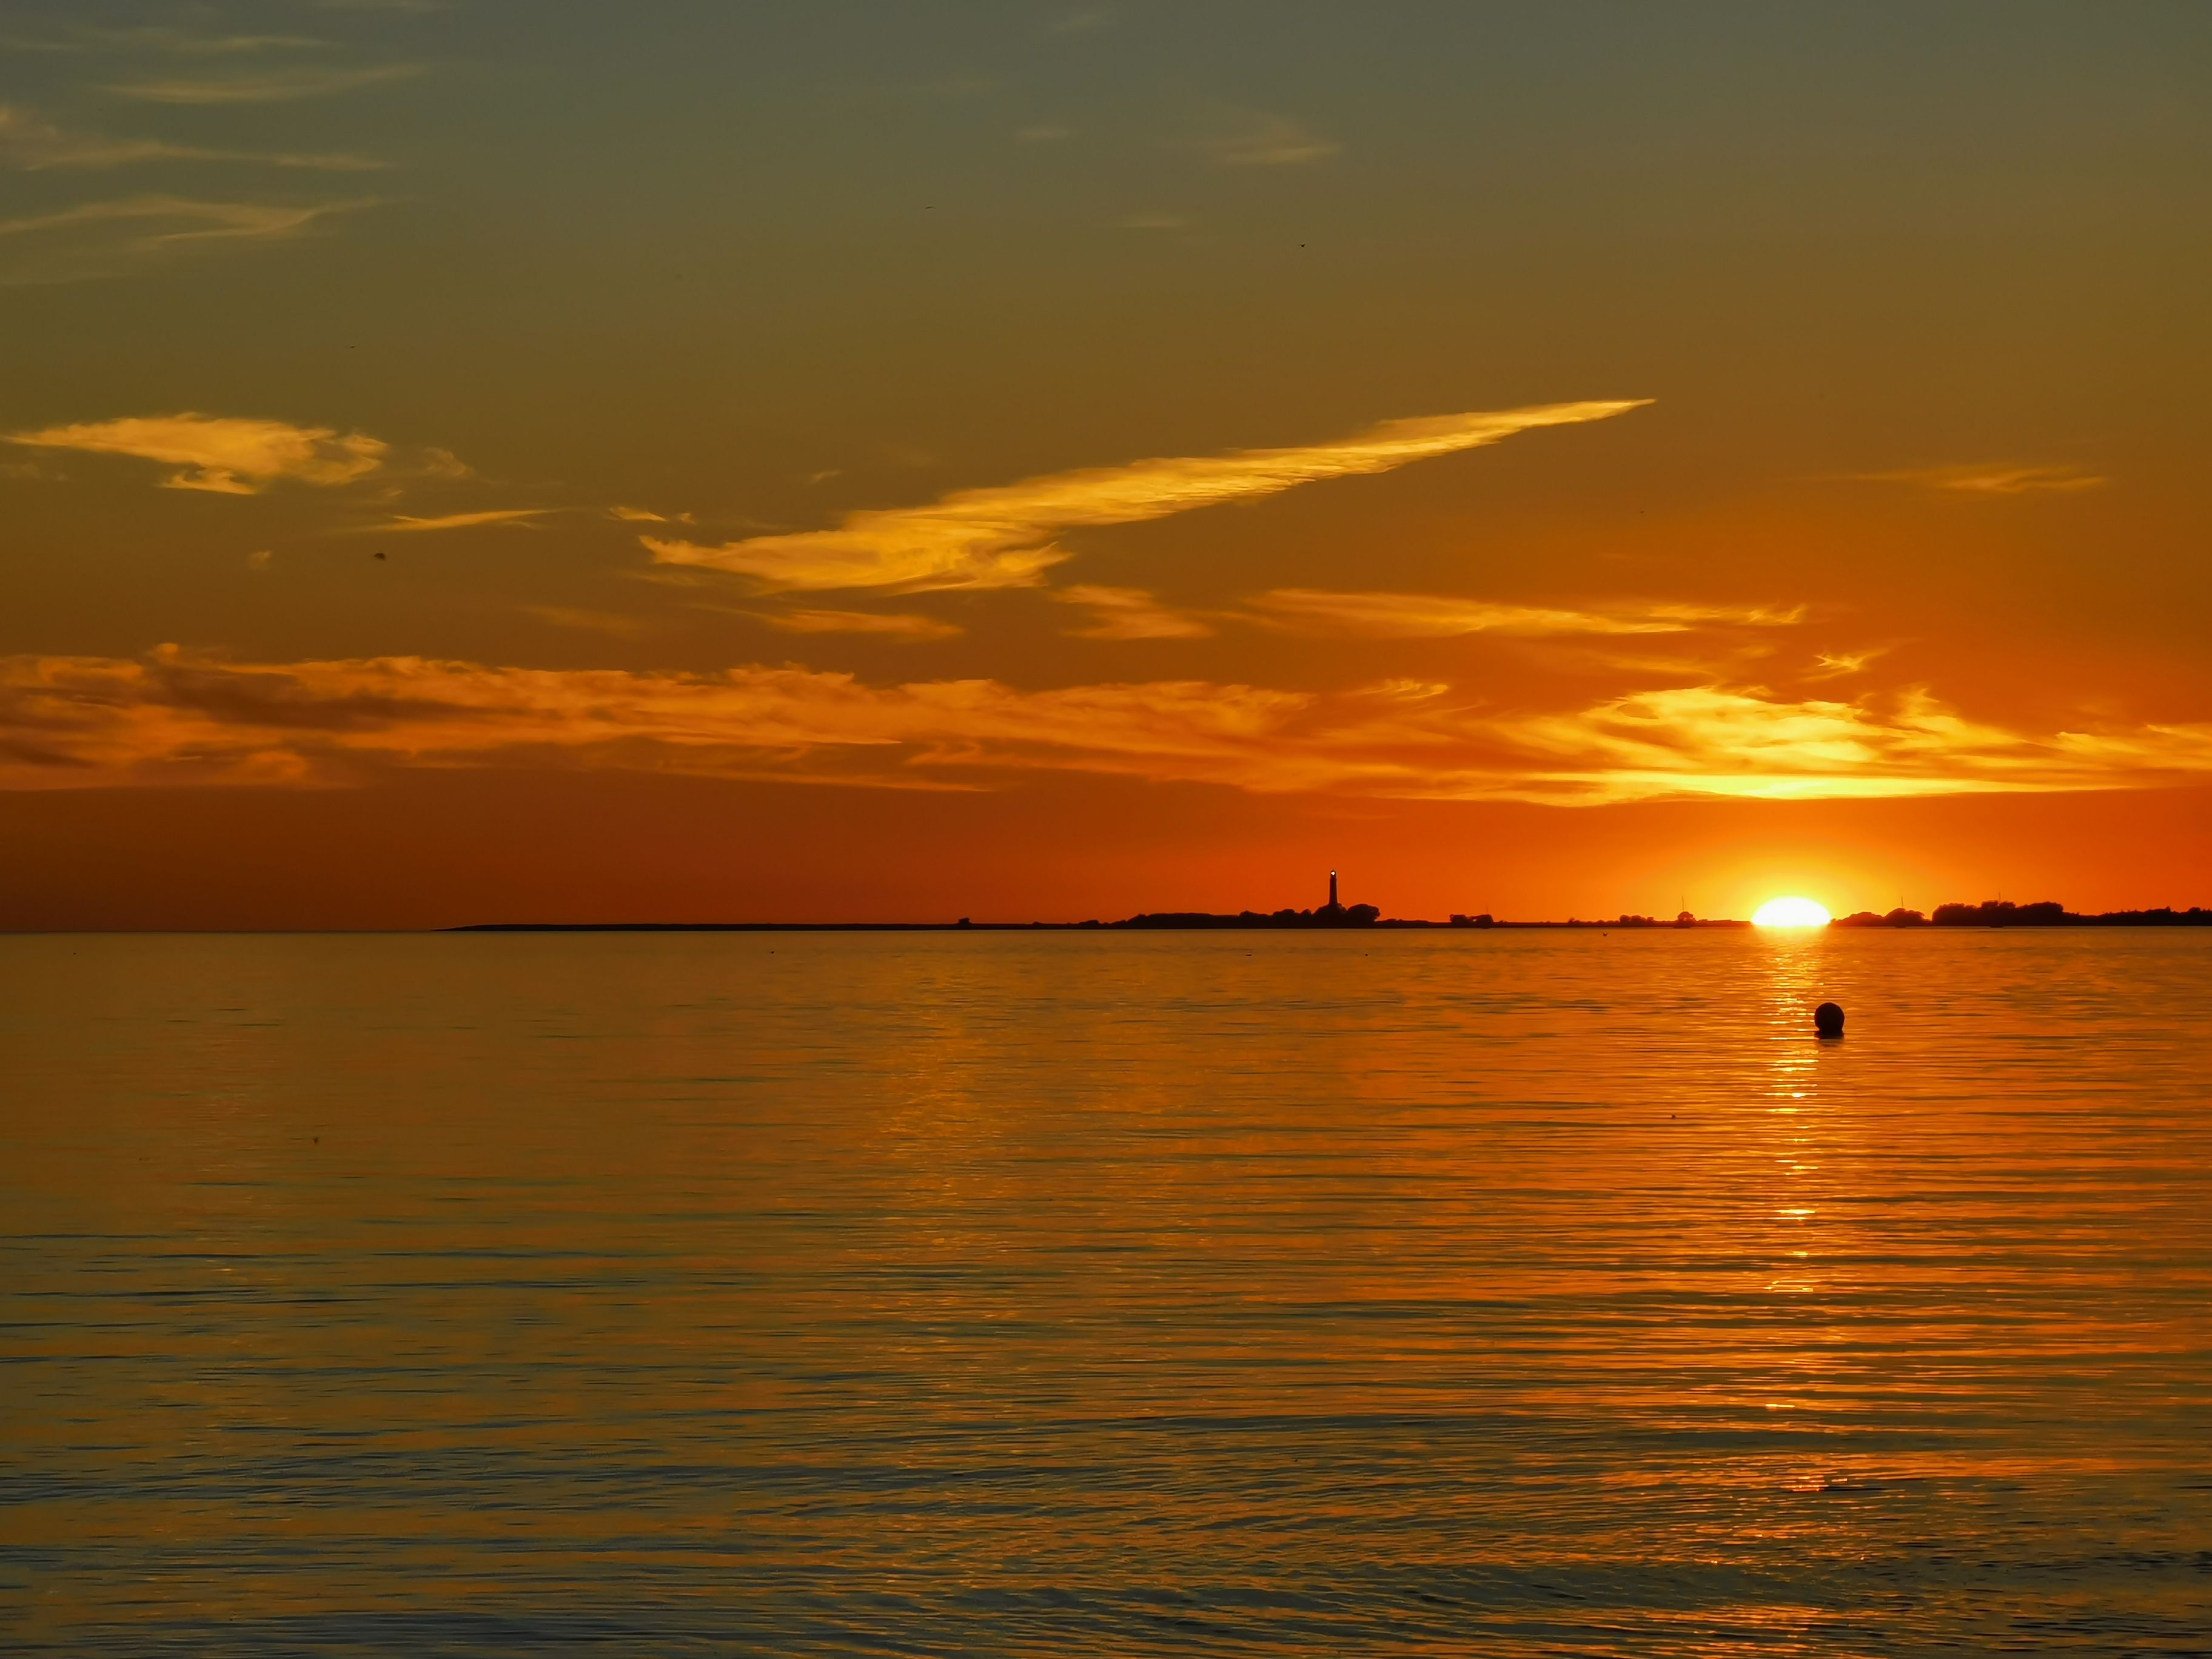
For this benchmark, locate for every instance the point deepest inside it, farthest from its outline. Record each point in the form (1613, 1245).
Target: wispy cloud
(32, 144)
(175, 717)
(101, 239)
(407, 524)
(610, 624)
(225, 454)
(1840, 665)
(1003, 536)
(1722, 740)
(1129, 613)
(1252, 138)
(161, 39)
(275, 86)
(1432, 615)
(893, 625)
(182, 43)
(1991, 480)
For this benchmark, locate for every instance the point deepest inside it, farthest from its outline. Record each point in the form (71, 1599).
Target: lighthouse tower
(1332, 889)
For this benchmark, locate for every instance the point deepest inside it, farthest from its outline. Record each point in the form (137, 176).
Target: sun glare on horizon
(1790, 913)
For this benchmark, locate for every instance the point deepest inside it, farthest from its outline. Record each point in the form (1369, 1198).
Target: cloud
(1405, 690)
(1431, 615)
(278, 86)
(34, 145)
(1718, 740)
(175, 717)
(404, 524)
(1839, 664)
(227, 455)
(1002, 537)
(1992, 480)
(1251, 138)
(1130, 613)
(183, 44)
(893, 626)
(590, 621)
(101, 238)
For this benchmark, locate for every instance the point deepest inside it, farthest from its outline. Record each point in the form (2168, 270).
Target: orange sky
(697, 462)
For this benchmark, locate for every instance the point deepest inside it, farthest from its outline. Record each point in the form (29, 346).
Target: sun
(1790, 913)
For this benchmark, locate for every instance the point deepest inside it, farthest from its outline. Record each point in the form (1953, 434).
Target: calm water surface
(1493, 1294)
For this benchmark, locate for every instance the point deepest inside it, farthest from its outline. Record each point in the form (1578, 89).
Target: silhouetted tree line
(1340, 915)
(2045, 913)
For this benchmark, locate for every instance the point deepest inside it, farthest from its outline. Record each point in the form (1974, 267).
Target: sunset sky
(557, 459)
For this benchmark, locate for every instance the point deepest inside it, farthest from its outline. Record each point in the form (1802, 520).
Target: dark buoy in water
(1828, 1019)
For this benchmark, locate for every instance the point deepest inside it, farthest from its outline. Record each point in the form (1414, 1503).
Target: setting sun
(1790, 913)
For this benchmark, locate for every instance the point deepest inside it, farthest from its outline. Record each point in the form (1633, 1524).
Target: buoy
(1828, 1019)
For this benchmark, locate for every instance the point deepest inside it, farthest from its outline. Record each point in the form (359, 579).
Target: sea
(1474, 1292)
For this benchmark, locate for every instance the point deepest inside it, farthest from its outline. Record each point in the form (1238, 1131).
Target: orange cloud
(176, 717)
(1002, 537)
(1130, 613)
(229, 456)
(895, 625)
(610, 624)
(1998, 480)
(1431, 616)
(404, 523)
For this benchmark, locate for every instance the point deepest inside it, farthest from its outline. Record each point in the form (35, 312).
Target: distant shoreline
(1131, 925)
(1948, 918)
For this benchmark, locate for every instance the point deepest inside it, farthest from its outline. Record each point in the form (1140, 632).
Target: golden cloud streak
(229, 456)
(175, 717)
(275, 86)
(1130, 613)
(1002, 537)
(1432, 615)
(404, 524)
(1997, 480)
(894, 625)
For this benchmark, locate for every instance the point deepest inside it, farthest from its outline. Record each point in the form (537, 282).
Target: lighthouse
(1332, 889)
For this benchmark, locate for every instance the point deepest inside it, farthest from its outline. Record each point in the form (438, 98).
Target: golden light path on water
(1510, 1293)
(1790, 913)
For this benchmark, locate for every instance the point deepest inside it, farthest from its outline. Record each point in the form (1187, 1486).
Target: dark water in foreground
(1490, 1294)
